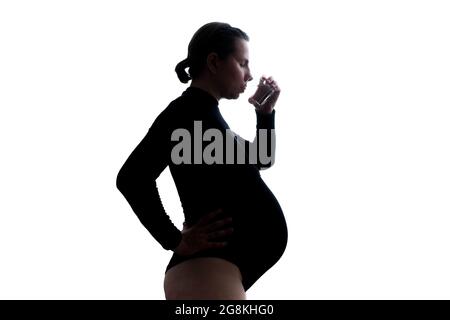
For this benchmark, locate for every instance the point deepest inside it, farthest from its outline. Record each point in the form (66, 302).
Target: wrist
(264, 111)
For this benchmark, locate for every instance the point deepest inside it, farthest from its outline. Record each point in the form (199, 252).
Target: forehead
(241, 49)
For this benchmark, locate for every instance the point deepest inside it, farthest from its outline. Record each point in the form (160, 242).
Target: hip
(204, 278)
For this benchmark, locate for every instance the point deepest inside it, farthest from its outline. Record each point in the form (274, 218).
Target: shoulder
(173, 113)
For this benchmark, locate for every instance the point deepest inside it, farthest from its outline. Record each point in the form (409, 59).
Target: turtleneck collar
(201, 94)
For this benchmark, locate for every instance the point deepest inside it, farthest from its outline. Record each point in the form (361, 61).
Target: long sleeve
(264, 142)
(136, 180)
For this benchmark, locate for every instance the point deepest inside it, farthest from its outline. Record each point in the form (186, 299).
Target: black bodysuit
(260, 232)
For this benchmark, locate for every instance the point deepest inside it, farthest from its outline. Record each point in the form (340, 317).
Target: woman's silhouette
(234, 229)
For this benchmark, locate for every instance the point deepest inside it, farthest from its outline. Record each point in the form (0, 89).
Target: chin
(233, 96)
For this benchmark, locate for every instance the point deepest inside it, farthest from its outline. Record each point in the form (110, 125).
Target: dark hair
(215, 37)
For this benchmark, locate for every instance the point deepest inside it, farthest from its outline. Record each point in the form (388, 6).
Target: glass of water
(263, 92)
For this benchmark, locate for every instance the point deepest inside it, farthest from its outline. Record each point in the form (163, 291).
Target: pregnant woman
(234, 228)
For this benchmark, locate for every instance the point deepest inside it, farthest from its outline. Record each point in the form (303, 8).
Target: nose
(249, 77)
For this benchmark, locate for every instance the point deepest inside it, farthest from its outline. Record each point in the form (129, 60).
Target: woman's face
(234, 72)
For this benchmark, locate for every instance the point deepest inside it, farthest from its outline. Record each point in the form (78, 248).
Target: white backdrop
(361, 170)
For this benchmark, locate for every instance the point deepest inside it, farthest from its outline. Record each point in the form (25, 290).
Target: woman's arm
(265, 119)
(136, 180)
(262, 148)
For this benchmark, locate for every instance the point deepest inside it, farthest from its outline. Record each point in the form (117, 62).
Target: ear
(212, 62)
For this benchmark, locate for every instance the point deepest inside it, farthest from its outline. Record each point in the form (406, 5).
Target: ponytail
(181, 72)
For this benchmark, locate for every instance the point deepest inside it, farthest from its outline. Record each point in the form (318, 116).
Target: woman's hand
(269, 104)
(198, 237)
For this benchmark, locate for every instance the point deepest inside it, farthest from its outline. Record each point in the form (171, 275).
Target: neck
(206, 85)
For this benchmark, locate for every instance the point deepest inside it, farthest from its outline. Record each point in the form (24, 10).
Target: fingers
(217, 244)
(271, 82)
(218, 224)
(217, 230)
(219, 234)
(209, 217)
(267, 79)
(211, 229)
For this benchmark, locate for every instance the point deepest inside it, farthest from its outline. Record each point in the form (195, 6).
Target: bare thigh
(204, 278)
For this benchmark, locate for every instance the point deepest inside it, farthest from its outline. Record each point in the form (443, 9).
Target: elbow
(119, 181)
(122, 180)
(125, 184)
(131, 181)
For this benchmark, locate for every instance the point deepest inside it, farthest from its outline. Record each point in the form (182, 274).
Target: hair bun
(180, 69)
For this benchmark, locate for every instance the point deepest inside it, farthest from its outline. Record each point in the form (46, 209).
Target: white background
(362, 167)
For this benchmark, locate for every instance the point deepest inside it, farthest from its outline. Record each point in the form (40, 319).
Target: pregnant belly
(260, 231)
(260, 227)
